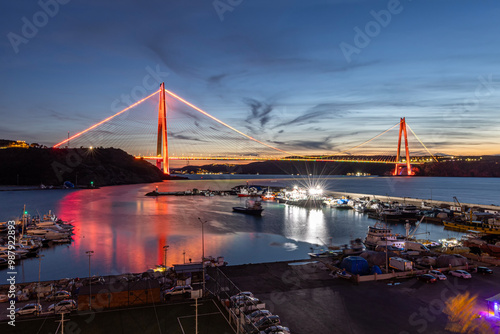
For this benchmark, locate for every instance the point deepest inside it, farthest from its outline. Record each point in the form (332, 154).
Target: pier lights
(203, 251)
(89, 254)
(165, 249)
(39, 256)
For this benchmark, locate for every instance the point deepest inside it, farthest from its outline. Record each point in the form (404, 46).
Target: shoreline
(411, 200)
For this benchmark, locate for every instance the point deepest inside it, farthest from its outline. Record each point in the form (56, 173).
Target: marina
(345, 245)
(284, 232)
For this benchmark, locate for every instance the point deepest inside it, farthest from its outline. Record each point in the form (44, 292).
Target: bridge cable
(369, 140)
(105, 120)
(221, 122)
(433, 157)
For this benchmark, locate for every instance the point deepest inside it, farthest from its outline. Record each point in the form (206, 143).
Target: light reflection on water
(127, 230)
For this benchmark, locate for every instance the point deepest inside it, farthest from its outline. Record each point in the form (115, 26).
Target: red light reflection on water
(127, 233)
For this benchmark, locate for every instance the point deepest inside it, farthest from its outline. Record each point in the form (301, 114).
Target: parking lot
(310, 300)
(177, 317)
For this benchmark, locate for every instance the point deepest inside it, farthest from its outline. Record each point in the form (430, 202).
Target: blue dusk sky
(305, 76)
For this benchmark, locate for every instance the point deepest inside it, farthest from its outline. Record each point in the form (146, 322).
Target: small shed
(493, 305)
(193, 270)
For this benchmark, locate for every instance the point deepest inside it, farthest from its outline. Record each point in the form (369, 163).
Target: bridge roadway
(413, 161)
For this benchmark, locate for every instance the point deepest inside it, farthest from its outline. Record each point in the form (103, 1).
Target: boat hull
(254, 212)
(469, 227)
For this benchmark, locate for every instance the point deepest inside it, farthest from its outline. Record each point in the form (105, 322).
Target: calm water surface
(127, 230)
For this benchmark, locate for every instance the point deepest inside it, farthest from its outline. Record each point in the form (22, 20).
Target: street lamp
(39, 272)
(203, 251)
(165, 249)
(89, 253)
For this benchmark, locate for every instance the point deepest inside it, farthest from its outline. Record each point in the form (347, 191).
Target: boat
(210, 261)
(390, 214)
(268, 196)
(355, 247)
(249, 192)
(341, 203)
(489, 244)
(324, 254)
(383, 236)
(488, 227)
(452, 246)
(409, 211)
(251, 209)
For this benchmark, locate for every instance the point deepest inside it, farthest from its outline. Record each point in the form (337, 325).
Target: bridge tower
(402, 129)
(162, 144)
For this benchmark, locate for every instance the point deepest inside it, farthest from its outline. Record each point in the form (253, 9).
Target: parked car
(64, 306)
(257, 315)
(246, 301)
(483, 270)
(33, 308)
(242, 294)
(439, 275)
(460, 273)
(178, 290)
(58, 295)
(277, 329)
(427, 278)
(268, 321)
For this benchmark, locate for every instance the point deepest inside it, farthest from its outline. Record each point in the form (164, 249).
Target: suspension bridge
(193, 132)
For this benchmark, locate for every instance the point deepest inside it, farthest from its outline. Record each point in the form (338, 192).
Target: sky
(304, 76)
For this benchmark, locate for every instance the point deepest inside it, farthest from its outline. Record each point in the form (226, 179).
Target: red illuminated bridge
(198, 130)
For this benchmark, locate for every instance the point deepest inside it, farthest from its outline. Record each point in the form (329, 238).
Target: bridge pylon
(402, 130)
(162, 141)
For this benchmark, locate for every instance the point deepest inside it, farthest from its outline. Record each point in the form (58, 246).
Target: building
(493, 305)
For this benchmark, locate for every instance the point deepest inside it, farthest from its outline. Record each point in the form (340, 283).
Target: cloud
(216, 79)
(315, 114)
(184, 137)
(260, 112)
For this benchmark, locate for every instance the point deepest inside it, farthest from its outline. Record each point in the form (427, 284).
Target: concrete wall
(108, 299)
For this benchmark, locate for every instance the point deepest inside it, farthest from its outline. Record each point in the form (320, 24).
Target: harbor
(295, 290)
(274, 244)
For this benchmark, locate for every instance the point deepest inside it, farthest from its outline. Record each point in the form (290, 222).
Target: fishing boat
(268, 196)
(251, 209)
(383, 236)
(492, 227)
(249, 192)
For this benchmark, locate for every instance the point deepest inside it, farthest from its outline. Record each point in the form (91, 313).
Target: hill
(487, 166)
(48, 166)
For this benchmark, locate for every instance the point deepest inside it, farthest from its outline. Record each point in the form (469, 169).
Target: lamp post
(165, 249)
(203, 251)
(39, 272)
(89, 253)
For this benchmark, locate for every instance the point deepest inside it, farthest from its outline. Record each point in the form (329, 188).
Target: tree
(463, 315)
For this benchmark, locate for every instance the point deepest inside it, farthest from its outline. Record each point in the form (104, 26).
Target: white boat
(18, 253)
(249, 192)
(48, 234)
(379, 235)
